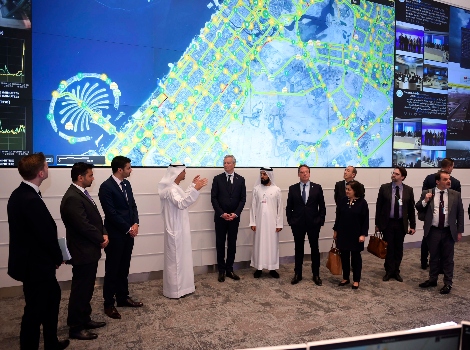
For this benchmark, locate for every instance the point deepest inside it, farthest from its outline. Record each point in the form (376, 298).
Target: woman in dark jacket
(350, 230)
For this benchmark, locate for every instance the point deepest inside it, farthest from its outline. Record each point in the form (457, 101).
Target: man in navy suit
(34, 256)
(121, 221)
(228, 197)
(447, 164)
(306, 213)
(86, 237)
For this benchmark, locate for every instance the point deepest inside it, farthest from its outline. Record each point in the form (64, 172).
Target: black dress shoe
(82, 335)
(112, 312)
(232, 275)
(317, 280)
(428, 283)
(94, 325)
(343, 283)
(63, 344)
(257, 273)
(221, 277)
(273, 274)
(129, 303)
(386, 277)
(355, 287)
(296, 279)
(398, 277)
(446, 289)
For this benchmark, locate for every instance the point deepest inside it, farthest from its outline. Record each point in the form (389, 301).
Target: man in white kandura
(266, 221)
(178, 275)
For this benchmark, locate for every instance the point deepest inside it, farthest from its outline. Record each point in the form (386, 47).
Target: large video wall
(328, 83)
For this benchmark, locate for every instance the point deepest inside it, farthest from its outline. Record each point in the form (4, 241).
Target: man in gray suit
(86, 236)
(443, 226)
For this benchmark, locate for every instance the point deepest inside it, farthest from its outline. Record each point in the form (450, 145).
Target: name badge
(400, 202)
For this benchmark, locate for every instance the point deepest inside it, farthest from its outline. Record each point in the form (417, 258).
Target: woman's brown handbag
(377, 245)
(334, 260)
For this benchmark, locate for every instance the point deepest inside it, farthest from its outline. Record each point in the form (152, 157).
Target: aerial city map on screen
(327, 83)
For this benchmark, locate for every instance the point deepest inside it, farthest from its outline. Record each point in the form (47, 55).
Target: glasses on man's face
(394, 173)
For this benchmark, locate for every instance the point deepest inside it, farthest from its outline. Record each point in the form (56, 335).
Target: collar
(79, 187)
(36, 188)
(227, 174)
(117, 180)
(436, 190)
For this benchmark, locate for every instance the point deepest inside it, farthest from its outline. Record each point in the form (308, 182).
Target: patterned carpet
(266, 312)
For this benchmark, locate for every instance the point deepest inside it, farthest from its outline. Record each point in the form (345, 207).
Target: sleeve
(74, 213)
(279, 216)
(321, 206)
(105, 194)
(134, 205)
(241, 203)
(425, 184)
(460, 215)
(411, 210)
(183, 202)
(337, 217)
(458, 187)
(378, 207)
(336, 194)
(215, 198)
(419, 204)
(290, 206)
(254, 206)
(47, 234)
(365, 219)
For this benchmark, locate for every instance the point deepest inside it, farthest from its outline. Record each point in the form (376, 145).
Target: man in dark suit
(86, 236)
(306, 213)
(340, 187)
(447, 164)
(34, 256)
(443, 226)
(394, 211)
(121, 220)
(228, 197)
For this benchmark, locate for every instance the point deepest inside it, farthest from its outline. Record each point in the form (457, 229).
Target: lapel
(85, 198)
(451, 202)
(119, 189)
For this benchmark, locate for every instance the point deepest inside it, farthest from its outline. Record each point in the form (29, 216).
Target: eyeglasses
(394, 173)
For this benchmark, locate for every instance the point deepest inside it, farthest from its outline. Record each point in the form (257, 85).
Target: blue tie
(304, 195)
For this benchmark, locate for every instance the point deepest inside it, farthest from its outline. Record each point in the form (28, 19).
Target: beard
(265, 182)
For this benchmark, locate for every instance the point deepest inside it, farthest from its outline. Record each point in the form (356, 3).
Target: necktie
(39, 193)
(396, 214)
(441, 211)
(89, 197)
(229, 182)
(304, 195)
(123, 189)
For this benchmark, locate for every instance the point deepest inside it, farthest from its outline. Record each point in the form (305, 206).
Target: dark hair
(357, 187)
(446, 162)
(79, 169)
(303, 166)
(437, 177)
(402, 171)
(30, 165)
(119, 162)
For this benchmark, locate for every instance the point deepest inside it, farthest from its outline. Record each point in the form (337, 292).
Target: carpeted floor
(266, 312)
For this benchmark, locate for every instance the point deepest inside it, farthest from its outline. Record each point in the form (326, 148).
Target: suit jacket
(340, 191)
(228, 199)
(307, 214)
(83, 225)
(119, 213)
(383, 207)
(430, 183)
(34, 252)
(455, 213)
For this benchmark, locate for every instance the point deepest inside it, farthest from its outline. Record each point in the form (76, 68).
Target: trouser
(226, 231)
(81, 292)
(441, 246)
(117, 264)
(356, 263)
(394, 235)
(42, 308)
(299, 242)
